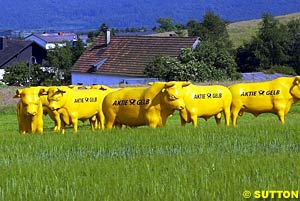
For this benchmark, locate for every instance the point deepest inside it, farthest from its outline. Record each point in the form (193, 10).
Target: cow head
(30, 100)
(56, 97)
(174, 93)
(43, 95)
(295, 89)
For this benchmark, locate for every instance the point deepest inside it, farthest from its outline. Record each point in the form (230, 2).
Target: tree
(103, 28)
(246, 59)
(92, 35)
(205, 63)
(61, 60)
(270, 47)
(165, 24)
(159, 67)
(17, 75)
(272, 41)
(294, 44)
(213, 58)
(212, 27)
(193, 28)
(77, 50)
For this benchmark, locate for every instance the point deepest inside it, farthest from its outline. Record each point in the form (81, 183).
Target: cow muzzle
(52, 108)
(180, 107)
(32, 113)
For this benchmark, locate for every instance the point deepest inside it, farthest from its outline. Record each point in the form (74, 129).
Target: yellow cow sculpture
(274, 96)
(137, 106)
(78, 104)
(56, 115)
(205, 102)
(29, 110)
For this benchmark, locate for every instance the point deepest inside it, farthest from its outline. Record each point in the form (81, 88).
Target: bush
(281, 69)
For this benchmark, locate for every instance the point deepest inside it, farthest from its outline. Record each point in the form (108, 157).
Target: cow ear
(43, 92)
(60, 91)
(297, 80)
(185, 84)
(169, 84)
(163, 90)
(103, 87)
(18, 93)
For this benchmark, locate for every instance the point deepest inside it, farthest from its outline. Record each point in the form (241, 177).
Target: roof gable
(13, 48)
(55, 37)
(128, 55)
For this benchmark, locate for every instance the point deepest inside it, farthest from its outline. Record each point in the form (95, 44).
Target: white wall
(90, 79)
(2, 71)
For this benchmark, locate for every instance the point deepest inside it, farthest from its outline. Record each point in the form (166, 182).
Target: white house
(49, 40)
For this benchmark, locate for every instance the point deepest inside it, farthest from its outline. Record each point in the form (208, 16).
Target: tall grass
(171, 163)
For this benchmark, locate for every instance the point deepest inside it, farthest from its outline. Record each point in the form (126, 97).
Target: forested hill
(90, 14)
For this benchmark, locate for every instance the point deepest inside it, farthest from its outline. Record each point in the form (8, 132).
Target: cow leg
(234, 115)
(110, 121)
(37, 126)
(183, 122)
(34, 126)
(21, 129)
(117, 125)
(75, 124)
(218, 118)
(109, 124)
(62, 129)
(40, 130)
(194, 118)
(93, 122)
(156, 121)
(153, 124)
(57, 121)
(101, 120)
(184, 117)
(281, 116)
(227, 116)
(40, 125)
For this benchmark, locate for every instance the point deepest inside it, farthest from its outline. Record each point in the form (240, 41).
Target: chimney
(107, 37)
(3, 43)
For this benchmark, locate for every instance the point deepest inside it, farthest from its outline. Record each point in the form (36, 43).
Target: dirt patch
(6, 97)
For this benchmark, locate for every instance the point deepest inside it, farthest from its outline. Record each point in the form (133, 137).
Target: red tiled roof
(128, 55)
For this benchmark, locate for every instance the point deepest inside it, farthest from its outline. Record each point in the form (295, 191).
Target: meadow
(209, 162)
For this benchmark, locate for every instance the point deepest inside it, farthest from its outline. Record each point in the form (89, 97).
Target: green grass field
(171, 163)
